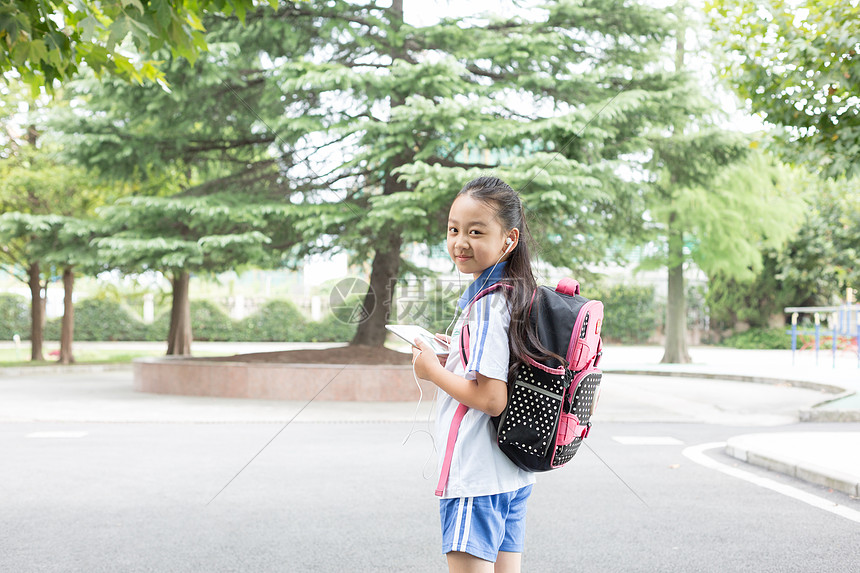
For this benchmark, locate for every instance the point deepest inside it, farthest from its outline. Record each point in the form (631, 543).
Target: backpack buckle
(586, 430)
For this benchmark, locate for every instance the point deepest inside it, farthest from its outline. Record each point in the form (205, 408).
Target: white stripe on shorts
(457, 523)
(470, 501)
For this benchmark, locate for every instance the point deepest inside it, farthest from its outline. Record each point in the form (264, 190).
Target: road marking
(648, 440)
(696, 453)
(57, 435)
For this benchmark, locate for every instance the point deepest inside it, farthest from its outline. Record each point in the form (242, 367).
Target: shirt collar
(487, 279)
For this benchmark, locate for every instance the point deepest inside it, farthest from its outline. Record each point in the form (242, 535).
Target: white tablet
(409, 332)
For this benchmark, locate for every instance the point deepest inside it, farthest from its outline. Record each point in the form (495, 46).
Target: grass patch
(9, 357)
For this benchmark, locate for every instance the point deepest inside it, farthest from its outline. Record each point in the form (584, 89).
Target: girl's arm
(489, 395)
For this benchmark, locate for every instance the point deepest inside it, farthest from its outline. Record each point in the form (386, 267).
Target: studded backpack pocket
(528, 427)
(548, 415)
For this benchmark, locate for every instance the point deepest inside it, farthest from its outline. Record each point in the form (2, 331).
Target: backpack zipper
(540, 390)
(580, 329)
(545, 392)
(534, 388)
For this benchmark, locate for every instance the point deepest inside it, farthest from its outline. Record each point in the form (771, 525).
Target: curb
(833, 416)
(809, 385)
(809, 472)
(814, 414)
(818, 414)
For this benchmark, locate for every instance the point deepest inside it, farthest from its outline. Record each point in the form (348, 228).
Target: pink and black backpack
(549, 403)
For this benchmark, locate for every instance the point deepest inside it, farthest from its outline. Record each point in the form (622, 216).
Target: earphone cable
(418, 405)
(413, 431)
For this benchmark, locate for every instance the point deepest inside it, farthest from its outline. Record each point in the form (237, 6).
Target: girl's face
(476, 238)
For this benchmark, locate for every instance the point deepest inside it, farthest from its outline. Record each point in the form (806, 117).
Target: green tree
(820, 262)
(45, 204)
(44, 242)
(35, 185)
(47, 40)
(842, 210)
(396, 118)
(363, 127)
(717, 214)
(814, 268)
(207, 153)
(713, 200)
(796, 64)
(180, 236)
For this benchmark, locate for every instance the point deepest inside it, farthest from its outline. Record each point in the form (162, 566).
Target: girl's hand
(426, 362)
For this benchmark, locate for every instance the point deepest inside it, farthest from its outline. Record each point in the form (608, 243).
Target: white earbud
(510, 245)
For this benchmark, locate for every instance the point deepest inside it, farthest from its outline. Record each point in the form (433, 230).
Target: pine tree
(181, 236)
(212, 195)
(398, 118)
(363, 127)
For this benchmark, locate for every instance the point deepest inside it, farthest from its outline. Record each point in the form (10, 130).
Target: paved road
(109, 397)
(95, 477)
(349, 497)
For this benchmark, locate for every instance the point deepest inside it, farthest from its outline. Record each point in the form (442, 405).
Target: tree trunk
(386, 261)
(675, 351)
(396, 12)
(67, 334)
(377, 302)
(37, 313)
(179, 336)
(676, 304)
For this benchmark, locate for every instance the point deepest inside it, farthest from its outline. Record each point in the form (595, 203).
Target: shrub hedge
(760, 338)
(104, 319)
(277, 320)
(329, 329)
(209, 322)
(14, 316)
(98, 319)
(630, 319)
(630, 312)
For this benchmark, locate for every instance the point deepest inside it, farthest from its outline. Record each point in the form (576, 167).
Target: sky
(426, 12)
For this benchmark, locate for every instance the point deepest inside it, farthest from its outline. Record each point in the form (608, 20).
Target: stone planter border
(277, 381)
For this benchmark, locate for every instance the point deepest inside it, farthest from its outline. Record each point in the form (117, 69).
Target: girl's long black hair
(524, 341)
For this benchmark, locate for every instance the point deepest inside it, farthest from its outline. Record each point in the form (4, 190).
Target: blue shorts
(483, 526)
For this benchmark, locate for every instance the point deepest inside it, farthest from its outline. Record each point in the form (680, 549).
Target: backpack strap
(464, 331)
(449, 449)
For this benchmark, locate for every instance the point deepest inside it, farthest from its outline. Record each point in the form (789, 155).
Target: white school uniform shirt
(478, 466)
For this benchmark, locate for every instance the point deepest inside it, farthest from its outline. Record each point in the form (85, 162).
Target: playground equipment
(843, 328)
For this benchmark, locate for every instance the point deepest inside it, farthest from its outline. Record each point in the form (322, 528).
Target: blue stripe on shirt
(483, 305)
(473, 338)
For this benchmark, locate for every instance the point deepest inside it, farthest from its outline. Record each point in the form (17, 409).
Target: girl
(484, 504)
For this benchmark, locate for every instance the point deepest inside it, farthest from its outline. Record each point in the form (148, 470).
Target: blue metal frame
(841, 327)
